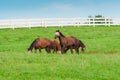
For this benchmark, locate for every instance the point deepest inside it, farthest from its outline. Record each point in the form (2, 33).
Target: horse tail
(32, 45)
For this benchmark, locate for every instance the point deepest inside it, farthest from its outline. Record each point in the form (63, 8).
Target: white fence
(51, 22)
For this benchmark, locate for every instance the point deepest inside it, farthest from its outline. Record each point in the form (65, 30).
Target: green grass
(101, 61)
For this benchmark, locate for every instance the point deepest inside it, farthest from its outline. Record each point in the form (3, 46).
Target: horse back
(43, 42)
(71, 40)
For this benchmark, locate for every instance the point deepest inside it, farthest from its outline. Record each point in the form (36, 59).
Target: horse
(77, 46)
(65, 42)
(40, 43)
(56, 46)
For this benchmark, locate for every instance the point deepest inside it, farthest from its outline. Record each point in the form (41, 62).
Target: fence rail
(50, 22)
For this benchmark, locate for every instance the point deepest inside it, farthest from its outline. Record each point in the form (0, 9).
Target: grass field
(101, 60)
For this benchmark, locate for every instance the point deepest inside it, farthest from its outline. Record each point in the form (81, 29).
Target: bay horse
(77, 46)
(65, 42)
(55, 46)
(40, 43)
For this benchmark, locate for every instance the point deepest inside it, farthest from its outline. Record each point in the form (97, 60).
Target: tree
(99, 19)
(99, 16)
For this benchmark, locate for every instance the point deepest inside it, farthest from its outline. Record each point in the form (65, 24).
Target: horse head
(57, 34)
(83, 49)
(29, 50)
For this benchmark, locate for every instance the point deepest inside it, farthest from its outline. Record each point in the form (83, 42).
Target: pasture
(101, 60)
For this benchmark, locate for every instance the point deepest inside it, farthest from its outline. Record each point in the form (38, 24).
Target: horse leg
(67, 49)
(62, 50)
(54, 50)
(35, 50)
(47, 49)
(71, 49)
(77, 50)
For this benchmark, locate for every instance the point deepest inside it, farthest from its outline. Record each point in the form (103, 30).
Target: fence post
(45, 24)
(11, 24)
(89, 21)
(105, 21)
(28, 23)
(109, 20)
(93, 22)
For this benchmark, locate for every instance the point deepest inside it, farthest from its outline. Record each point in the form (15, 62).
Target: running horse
(40, 43)
(65, 42)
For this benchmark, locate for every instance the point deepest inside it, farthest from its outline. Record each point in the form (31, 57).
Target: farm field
(101, 60)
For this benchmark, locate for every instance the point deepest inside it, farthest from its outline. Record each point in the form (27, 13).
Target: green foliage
(99, 62)
(96, 16)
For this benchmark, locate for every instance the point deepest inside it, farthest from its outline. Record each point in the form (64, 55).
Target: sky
(17, 9)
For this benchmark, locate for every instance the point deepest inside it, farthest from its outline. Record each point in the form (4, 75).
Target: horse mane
(81, 43)
(61, 34)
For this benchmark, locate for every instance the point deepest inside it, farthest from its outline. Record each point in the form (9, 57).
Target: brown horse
(40, 43)
(65, 42)
(55, 46)
(77, 46)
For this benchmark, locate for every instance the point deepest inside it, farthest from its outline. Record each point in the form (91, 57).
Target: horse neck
(61, 39)
(81, 44)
